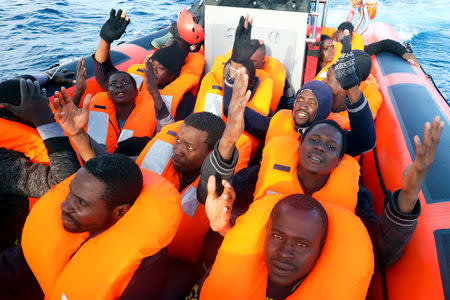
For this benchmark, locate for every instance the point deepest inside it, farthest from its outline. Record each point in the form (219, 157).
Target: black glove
(241, 47)
(344, 68)
(114, 27)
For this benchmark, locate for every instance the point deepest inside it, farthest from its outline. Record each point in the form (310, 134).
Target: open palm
(71, 118)
(218, 208)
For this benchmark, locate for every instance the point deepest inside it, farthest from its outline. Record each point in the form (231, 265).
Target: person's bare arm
(73, 121)
(111, 31)
(235, 124)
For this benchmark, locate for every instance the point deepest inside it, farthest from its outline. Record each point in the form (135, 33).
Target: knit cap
(171, 57)
(323, 95)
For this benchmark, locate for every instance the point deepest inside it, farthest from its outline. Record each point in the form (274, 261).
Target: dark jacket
(20, 178)
(390, 233)
(385, 46)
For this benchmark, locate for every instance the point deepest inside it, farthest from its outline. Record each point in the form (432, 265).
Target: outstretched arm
(392, 231)
(415, 173)
(222, 161)
(255, 123)
(73, 121)
(391, 46)
(362, 137)
(111, 30)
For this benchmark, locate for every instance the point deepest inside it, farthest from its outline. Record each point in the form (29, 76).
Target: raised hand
(218, 208)
(115, 26)
(241, 47)
(71, 118)
(345, 66)
(415, 173)
(81, 86)
(34, 105)
(60, 77)
(150, 77)
(235, 124)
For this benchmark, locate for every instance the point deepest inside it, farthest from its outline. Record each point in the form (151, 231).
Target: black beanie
(363, 64)
(171, 57)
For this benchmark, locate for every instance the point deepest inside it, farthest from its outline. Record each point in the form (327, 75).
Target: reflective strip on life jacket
(98, 126)
(158, 157)
(213, 104)
(104, 128)
(189, 201)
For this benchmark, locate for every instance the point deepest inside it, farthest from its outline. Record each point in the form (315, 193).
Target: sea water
(37, 34)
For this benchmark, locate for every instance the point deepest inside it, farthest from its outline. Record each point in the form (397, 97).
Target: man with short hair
(85, 237)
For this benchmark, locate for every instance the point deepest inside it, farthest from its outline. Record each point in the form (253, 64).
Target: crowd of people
(172, 184)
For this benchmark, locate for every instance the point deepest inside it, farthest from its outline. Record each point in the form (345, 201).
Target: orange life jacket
(357, 40)
(282, 123)
(272, 66)
(343, 270)
(104, 128)
(187, 244)
(189, 79)
(210, 98)
(278, 174)
(22, 138)
(277, 72)
(67, 267)
(210, 94)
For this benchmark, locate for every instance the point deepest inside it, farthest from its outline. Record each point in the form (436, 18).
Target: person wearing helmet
(189, 27)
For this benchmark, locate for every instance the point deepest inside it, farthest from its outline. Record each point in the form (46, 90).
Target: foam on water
(35, 35)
